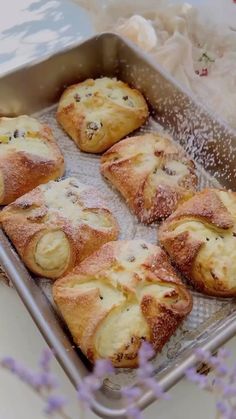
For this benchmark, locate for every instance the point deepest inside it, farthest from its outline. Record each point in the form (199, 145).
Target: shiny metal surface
(209, 141)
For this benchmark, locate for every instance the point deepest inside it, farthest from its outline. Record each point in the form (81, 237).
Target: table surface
(30, 29)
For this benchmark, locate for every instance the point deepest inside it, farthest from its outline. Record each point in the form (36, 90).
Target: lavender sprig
(93, 382)
(145, 379)
(42, 382)
(223, 385)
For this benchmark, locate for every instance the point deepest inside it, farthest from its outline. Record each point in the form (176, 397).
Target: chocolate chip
(214, 276)
(74, 183)
(18, 133)
(77, 97)
(144, 246)
(90, 135)
(154, 171)
(207, 239)
(119, 357)
(131, 259)
(24, 205)
(169, 171)
(93, 125)
(234, 234)
(72, 195)
(125, 97)
(101, 298)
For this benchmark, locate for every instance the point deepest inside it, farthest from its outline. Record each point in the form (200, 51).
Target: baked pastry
(124, 293)
(57, 225)
(200, 237)
(98, 113)
(152, 174)
(29, 156)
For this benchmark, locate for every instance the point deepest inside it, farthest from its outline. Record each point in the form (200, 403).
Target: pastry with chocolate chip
(200, 237)
(98, 113)
(125, 293)
(29, 156)
(152, 173)
(57, 225)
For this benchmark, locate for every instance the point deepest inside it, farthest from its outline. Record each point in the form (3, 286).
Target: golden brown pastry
(152, 174)
(200, 237)
(98, 113)
(124, 293)
(57, 225)
(29, 156)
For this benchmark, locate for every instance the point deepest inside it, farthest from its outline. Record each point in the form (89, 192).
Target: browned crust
(118, 121)
(160, 320)
(25, 220)
(206, 207)
(149, 204)
(21, 171)
(84, 312)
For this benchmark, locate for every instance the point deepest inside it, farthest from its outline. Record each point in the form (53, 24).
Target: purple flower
(93, 382)
(48, 380)
(229, 391)
(232, 374)
(9, 363)
(84, 394)
(203, 355)
(45, 360)
(36, 380)
(55, 403)
(131, 393)
(226, 411)
(133, 412)
(145, 370)
(20, 371)
(102, 367)
(222, 407)
(155, 387)
(146, 352)
(196, 378)
(224, 353)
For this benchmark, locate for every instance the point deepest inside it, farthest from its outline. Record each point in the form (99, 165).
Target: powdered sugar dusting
(170, 121)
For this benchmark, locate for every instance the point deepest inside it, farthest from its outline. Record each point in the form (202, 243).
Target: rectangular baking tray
(35, 89)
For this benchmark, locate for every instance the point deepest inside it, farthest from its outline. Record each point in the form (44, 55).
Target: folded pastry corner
(124, 293)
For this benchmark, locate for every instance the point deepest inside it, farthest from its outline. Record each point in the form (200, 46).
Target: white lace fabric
(200, 54)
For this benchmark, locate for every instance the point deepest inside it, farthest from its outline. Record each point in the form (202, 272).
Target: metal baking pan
(35, 89)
